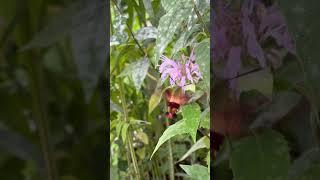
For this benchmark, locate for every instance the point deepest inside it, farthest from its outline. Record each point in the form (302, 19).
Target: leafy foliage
(153, 28)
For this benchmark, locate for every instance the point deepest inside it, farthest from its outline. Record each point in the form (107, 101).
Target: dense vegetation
(52, 86)
(142, 145)
(266, 121)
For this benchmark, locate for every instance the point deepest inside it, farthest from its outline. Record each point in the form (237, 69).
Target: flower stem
(171, 167)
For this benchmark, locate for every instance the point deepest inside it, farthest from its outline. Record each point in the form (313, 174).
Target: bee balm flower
(180, 73)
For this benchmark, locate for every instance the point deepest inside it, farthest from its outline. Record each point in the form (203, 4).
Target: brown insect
(175, 99)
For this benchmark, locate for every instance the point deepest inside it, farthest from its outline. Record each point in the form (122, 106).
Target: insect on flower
(174, 99)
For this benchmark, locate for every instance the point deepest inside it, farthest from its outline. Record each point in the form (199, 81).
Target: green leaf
(196, 171)
(138, 71)
(143, 137)
(202, 53)
(261, 81)
(124, 132)
(265, 156)
(177, 11)
(147, 33)
(156, 97)
(173, 130)
(203, 142)
(205, 119)
(148, 7)
(118, 128)
(282, 104)
(115, 107)
(191, 115)
(306, 161)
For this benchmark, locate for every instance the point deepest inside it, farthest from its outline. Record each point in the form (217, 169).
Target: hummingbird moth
(174, 100)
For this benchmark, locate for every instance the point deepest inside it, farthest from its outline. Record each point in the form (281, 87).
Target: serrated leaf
(173, 130)
(138, 71)
(196, 171)
(202, 53)
(177, 11)
(124, 132)
(265, 156)
(203, 142)
(282, 104)
(191, 115)
(301, 165)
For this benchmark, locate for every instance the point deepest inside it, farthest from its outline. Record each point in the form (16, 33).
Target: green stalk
(129, 135)
(171, 168)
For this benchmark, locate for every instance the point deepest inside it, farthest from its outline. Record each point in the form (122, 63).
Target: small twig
(152, 77)
(130, 30)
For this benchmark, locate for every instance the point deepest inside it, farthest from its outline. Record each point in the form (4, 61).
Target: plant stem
(129, 136)
(171, 164)
(130, 30)
(200, 18)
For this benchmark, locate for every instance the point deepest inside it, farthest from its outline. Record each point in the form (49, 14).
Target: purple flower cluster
(247, 31)
(181, 73)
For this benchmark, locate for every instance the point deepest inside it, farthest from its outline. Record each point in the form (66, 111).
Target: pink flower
(180, 74)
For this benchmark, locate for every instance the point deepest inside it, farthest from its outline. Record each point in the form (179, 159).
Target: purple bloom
(180, 73)
(254, 30)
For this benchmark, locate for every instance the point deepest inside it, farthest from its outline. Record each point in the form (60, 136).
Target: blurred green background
(53, 56)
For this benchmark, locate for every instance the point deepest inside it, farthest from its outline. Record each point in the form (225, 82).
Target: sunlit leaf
(177, 11)
(143, 137)
(197, 172)
(147, 33)
(191, 115)
(204, 142)
(265, 156)
(202, 52)
(115, 107)
(124, 131)
(173, 130)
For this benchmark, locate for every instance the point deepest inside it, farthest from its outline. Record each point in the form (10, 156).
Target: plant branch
(129, 136)
(200, 17)
(130, 30)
